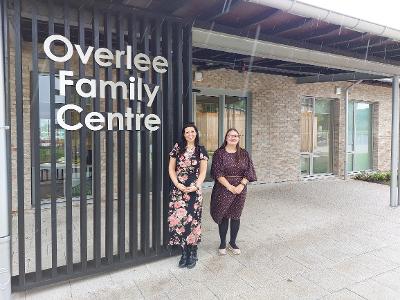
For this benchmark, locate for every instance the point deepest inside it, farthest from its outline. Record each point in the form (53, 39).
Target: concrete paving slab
(344, 294)
(329, 279)
(371, 289)
(226, 286)
(270, 292)
(95, 287)
(56, 292)
(314, 240)
(18, 296)
(299, 287)
(390, 279)
(193, 292)
(159, 286)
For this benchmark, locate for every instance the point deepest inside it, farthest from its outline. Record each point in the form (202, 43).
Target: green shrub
(378, 176)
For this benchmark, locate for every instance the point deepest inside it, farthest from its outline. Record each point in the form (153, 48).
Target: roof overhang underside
(249, 34)
(284, 37)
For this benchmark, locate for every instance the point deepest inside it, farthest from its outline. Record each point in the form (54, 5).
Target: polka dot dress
(225, 204)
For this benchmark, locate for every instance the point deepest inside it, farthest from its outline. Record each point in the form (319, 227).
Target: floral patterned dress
(184, 216)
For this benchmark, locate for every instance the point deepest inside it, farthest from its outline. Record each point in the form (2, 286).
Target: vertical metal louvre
(133, 151)
(121, 148)
(20, 142)
(82, 153)
(68, 159)
(96, 151)
(91, 201)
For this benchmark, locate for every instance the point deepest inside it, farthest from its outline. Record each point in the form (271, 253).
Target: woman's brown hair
(238, 149)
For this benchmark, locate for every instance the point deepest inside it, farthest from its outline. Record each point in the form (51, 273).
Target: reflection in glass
(207, 124)
(235, 116)
(315, 136)
(306, 125)
(59, 144)
(322, 158)
(305, 165)
(360, 136)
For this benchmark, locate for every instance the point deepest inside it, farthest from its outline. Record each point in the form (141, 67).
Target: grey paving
(306, 240)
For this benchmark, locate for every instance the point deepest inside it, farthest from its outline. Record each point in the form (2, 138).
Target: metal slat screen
(87, 201)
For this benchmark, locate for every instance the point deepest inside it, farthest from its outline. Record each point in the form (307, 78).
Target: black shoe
(192, 258)
(183, 260)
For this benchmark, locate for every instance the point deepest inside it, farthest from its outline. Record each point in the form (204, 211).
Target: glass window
(213, 118)
(316, 136)
(235, 116)
(322, 153)
(207, 109)
(306, 125)
(360, 136)
(45, 146)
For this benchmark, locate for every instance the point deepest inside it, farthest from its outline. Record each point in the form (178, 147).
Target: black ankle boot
(184, 257)
(192, 257)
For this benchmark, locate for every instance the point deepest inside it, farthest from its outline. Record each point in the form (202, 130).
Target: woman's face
(190, 134)
(232, 138)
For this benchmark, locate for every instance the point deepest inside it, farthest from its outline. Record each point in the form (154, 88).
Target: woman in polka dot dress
(232, 169)
(187, 170)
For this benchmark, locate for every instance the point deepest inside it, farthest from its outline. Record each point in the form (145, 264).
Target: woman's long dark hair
(238, 149)
(183, 143)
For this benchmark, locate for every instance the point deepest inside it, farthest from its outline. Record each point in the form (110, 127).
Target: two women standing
(231, 168)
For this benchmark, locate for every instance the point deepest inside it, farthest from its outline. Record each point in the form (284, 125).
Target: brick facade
(276, 107)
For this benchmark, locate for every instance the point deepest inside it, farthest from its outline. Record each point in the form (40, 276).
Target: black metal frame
(148, 34)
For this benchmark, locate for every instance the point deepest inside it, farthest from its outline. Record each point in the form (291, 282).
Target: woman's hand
(191, 189)
(182, 187)
(239, 188)
(232, 189)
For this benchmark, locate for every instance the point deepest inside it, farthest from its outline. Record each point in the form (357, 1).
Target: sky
(384, 12)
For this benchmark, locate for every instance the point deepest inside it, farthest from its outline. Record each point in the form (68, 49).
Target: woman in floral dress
(187, 170)
(232, 169)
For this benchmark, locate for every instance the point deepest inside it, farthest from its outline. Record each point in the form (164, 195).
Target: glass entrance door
(359, 156)
(214, 114)
(316, 136)
(207, 122)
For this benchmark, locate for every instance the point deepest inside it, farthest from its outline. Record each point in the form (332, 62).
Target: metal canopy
(265, 23)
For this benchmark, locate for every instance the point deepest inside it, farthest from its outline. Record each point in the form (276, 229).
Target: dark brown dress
(225, 204)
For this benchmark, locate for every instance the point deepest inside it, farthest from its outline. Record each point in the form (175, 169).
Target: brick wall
(276, 116)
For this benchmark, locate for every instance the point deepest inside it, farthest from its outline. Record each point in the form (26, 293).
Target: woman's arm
(200, 180)
(202, 173)
(172, 174)
(222, 180)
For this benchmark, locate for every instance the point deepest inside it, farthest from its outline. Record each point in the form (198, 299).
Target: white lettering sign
(134, 90)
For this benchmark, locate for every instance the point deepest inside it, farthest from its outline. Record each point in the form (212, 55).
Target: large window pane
(235, 116)
(207, 108)
(322, 153)
(305, 165)
(360, 136)
(306, 125)
(362, 155)
(315, 136)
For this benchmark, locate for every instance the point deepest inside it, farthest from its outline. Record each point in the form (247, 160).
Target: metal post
(395, 142)
(346, 128)
(5, 259)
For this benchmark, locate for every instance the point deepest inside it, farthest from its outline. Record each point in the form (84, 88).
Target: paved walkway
(305, 240)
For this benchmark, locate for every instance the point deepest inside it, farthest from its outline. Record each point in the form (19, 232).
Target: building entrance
(316, 136)
(217, 111)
